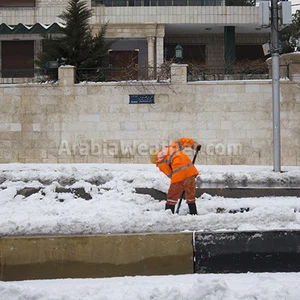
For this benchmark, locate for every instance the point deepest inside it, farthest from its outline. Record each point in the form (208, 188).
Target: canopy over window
(30, 29)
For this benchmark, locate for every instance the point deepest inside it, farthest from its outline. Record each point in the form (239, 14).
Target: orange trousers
(176, 189)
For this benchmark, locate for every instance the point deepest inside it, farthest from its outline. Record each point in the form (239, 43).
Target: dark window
(240, 2)
(124, 64)
(165, 3)
(115, 2)
(108, 2)
(179, 2)
(17, 56)
(249, 52)
(17, 3)
(123, 58)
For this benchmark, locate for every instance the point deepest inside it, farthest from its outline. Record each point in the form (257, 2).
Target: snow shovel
(182, 195)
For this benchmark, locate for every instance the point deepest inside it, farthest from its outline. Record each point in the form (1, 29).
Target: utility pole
(264, 21)
(275, 48)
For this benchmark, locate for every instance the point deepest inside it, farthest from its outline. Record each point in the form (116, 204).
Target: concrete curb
(98, 256)
(95, 256)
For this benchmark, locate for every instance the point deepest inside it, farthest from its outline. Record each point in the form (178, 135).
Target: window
(249, 52)
(17, 55)
(17, 3)
(124, 64)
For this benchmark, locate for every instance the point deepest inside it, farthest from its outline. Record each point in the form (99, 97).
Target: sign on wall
(141, 99)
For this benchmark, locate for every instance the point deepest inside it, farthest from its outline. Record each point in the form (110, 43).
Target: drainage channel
(224, 191)
(231, 192)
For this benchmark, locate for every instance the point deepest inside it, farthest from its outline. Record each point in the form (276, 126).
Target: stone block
(66, 75)
(15, 126)
(131, 126)
(89, 117)
(258, 133)
(178, 73)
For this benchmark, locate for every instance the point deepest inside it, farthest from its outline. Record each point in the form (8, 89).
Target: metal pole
(275, 85)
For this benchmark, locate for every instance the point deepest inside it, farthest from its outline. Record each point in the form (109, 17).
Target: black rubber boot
(172, 207)
(193, 209)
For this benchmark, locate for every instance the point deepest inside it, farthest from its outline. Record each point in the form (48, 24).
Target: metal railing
(123, 74)
(116, 3)
(13, 76)
(209, 73)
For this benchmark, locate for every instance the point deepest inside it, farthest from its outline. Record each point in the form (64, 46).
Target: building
(211, 32)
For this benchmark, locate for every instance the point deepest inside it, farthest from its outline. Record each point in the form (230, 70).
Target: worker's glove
(198, 148)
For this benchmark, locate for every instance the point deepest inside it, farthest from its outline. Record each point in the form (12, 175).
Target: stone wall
(94, 122)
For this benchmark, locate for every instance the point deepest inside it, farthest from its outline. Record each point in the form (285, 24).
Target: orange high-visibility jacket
(172, 161)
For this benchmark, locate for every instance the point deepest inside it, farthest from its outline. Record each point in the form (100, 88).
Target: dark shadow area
(241, 252)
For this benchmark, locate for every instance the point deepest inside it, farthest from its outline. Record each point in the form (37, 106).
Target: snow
(115, 207)
(262, 286)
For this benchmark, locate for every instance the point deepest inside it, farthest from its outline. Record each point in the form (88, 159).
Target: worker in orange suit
(173, 162)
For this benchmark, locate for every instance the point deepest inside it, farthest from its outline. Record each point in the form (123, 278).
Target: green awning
(37, 28)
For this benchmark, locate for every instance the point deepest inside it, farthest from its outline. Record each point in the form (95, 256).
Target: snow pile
(250, 175)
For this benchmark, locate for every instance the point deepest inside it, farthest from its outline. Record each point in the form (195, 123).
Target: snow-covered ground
(264, 286)
(115, 207)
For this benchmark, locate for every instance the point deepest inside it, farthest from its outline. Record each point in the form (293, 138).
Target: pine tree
(77, 46)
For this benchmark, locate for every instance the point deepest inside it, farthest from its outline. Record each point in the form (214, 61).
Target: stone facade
(94, 122)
